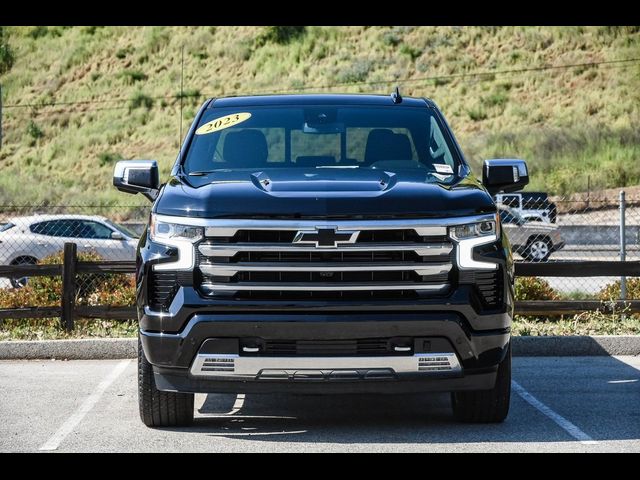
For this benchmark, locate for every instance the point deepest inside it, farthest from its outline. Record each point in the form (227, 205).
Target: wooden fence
(68, 311)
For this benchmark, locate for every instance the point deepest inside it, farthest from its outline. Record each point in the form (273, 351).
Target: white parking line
(562, 422)
(72, 422)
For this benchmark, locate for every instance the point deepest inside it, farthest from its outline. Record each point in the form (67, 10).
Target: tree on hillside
(6, 54)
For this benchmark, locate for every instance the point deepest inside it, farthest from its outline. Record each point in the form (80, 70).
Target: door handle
(87, 246)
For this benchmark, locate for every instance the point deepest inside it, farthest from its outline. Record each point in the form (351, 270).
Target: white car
(30, 239)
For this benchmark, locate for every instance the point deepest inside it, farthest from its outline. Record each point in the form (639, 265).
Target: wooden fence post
(69, 265)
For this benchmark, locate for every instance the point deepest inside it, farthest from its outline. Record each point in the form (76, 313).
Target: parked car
(532, 206)
(535, 241)
(26, 240)
(323, 244)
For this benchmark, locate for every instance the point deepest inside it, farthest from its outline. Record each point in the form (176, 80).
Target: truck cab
(323, 244)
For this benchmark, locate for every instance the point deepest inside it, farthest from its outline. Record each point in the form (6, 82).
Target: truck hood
(321, 193)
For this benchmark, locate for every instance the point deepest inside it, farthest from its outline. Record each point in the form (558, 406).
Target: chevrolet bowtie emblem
(325, 237)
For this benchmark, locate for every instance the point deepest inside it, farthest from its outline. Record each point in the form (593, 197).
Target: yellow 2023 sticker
(223, 122)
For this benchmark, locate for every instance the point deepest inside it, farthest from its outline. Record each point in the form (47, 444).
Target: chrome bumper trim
(321, 368)
(320, 287)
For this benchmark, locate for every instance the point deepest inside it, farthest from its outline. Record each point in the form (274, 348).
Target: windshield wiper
(201, 173)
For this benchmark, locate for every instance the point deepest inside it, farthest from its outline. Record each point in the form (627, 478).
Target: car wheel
(538, 250)
(157, 408)
(486, 406)
(20, 282)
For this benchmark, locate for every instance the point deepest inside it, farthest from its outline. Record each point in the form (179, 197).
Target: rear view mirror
(137, 176)
(116, 236)
(504, 175)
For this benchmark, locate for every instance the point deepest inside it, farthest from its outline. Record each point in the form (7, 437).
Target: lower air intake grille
(162, 288)
(436, 363)
(212, 364)
(314, 348)
(489, 287)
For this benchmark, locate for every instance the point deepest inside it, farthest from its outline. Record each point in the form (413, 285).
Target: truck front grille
(388, 262)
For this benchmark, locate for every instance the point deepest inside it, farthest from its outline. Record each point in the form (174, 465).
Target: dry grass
(561, 121)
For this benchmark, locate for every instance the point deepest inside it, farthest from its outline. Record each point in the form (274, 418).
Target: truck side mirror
(504, 175)
(137, 176)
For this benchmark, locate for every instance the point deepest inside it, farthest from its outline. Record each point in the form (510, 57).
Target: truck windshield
(312, 137)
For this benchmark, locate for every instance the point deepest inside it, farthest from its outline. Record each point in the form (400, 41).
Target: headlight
(177, 235)
(160, 231)
(470, 236)
(472, 230)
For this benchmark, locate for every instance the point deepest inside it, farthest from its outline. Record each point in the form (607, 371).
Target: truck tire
(538, 249)
(160, 409)
(486, 406)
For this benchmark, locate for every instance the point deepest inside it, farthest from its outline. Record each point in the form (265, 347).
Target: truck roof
(318, 99)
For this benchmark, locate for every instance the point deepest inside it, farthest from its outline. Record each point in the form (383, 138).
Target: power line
(434, 78)
(449, 77)
(470, 74)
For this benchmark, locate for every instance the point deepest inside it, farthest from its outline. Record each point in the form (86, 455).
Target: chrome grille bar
(230, 249)
(230, 269)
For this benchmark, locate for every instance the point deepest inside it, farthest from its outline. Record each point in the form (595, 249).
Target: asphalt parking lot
(574, 404)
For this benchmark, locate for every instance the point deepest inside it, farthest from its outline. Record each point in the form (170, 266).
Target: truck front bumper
(206, 356)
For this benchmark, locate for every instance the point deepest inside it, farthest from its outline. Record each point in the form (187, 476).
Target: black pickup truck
(323, 244)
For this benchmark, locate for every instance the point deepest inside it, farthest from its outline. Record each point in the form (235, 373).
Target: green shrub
(497, 98)
(34, 131)
(39, 32)
(157, 39)
(477, 113)
(281, 34)
(107, 158)
(438, 82)
(356, 72)
(93, 289)
(123, 52)
(391, 38)
(534, 288)
(140, 99)
(612, 290)
(132, 76)
(7, 57)
(410, 51)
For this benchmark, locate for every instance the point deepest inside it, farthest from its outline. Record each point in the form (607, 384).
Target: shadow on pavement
(598, 394)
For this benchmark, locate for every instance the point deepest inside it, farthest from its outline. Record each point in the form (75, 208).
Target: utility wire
(435, 78)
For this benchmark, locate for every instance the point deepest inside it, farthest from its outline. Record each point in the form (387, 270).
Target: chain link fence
(541, 228)
(579, 227)
(36, 234)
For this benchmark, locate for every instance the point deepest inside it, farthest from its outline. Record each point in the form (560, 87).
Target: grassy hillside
(568, 123)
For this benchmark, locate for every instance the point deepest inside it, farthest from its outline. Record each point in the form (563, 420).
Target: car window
(6, 226)
(72, 228)
(511, 217)
(511, 201)
(90, 229)
(506, 217)
(127, 231)
(52, 228)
